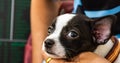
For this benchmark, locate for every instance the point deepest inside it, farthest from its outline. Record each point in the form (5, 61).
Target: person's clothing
(99, 8)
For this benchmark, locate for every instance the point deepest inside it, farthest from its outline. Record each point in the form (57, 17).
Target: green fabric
(13, 51)
(21, 19)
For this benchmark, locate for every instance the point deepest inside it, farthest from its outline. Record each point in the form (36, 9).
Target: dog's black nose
(49, 43)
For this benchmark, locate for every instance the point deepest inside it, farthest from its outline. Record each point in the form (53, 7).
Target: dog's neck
(103, 50)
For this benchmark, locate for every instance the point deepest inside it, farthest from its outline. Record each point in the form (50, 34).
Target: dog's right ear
(80, 10)
(102, 28)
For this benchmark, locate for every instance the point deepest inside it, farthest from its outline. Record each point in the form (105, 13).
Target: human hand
(86, 57)
(89, 57)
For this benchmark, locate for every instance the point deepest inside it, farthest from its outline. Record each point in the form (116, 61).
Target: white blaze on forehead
(61, 21)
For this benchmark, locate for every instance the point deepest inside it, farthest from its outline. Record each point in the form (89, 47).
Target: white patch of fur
(61, 22)
(57, 49)
(103, 50)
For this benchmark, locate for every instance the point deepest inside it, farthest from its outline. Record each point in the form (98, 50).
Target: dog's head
(71, 34)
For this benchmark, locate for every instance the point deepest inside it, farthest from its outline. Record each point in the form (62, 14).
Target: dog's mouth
(50, 52)
(53, 55)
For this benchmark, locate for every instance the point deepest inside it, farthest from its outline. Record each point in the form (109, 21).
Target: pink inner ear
(101, 32)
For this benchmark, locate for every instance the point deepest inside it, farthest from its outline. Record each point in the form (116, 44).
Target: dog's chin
(54, 55)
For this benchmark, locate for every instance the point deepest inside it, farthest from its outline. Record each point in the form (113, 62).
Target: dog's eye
(73, 34)
(50, 29)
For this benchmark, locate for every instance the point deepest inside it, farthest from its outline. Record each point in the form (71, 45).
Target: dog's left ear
(102, 28)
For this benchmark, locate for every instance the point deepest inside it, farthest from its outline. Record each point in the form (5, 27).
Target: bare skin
(42, 14)
(86, 57)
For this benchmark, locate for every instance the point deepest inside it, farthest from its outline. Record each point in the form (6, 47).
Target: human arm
(86, 57)
(42, 13)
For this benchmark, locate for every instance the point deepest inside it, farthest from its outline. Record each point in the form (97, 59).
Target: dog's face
(71, 34)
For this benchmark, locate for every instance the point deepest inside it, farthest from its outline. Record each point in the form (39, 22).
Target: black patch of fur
(84, 42)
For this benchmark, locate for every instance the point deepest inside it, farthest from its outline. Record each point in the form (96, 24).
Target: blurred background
(14, 30)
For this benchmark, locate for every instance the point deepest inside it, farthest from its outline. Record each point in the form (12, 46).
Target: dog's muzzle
(49, 43)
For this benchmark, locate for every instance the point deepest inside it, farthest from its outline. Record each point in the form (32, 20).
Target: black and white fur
(72, 34)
